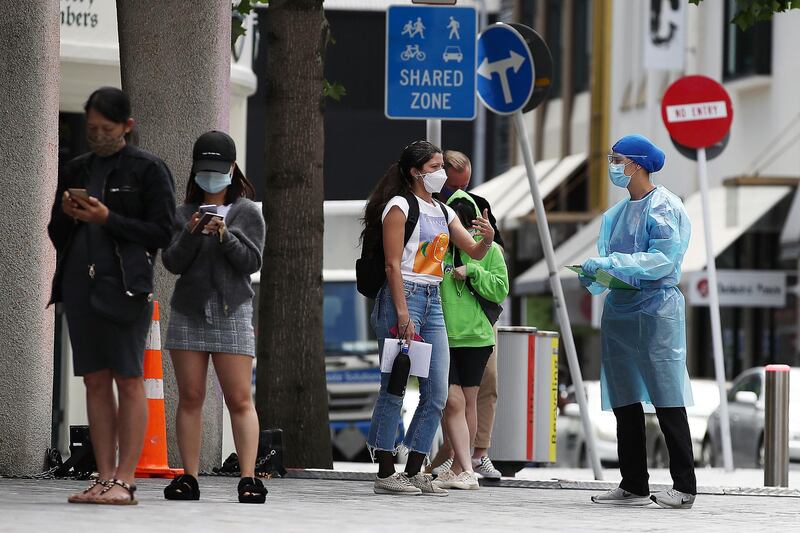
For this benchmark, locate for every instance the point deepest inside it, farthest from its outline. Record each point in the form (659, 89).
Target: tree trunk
(291, 392)
(28, 173)
(175, 65)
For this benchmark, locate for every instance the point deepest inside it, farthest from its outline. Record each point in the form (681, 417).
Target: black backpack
(371, 267)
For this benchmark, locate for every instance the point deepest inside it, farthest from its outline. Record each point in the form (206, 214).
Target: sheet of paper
(419, 352)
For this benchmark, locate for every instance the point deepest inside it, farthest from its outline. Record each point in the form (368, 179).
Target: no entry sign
(697, 111)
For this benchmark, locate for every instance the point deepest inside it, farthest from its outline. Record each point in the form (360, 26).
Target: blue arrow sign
(505, 69)
(430, 62)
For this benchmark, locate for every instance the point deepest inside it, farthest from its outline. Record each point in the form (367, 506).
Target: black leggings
(632, 450)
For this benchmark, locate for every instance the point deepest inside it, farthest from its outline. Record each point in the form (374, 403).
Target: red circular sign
(697, 111)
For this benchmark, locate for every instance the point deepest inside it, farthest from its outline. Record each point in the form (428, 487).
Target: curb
(563, 484)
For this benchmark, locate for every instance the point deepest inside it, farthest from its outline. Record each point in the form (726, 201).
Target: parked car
(746, 413)
(706, 400)
(571, 443)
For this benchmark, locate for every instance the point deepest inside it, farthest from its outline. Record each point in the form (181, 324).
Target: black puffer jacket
(140, 196)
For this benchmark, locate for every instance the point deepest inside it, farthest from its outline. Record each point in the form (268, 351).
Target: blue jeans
(425, 310)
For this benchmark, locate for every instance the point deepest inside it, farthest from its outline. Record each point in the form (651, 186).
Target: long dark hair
(240, 187)
(396, 182)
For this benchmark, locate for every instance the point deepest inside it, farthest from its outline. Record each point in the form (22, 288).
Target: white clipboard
(419, 352)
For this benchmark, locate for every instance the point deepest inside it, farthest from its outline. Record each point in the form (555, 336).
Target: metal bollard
(776, 426)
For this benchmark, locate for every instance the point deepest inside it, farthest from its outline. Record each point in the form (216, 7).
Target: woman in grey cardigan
(211, 311)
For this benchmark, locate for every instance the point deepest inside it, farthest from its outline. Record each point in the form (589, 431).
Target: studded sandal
(118, 501)
(81, 496)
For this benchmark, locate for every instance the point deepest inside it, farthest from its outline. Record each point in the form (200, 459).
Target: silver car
(746, 411)
(706, 399)
(571, 443)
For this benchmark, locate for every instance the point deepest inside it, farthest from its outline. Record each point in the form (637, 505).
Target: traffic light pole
(558, 296)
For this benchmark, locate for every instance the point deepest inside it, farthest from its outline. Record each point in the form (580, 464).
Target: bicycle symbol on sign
(412, 51)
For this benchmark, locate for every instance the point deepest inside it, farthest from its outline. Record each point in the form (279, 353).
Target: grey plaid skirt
(215, 332)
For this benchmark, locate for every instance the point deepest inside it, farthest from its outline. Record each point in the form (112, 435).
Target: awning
(509, 194)
(573, 251)
(733, 211)
(790, 236)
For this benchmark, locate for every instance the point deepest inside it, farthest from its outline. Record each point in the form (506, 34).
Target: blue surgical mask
(212, 182)
(616, 171)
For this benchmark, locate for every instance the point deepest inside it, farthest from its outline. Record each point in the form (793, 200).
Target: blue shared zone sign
(505, 69)
(430, 62)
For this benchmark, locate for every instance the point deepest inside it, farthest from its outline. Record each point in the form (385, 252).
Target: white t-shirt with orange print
(425, 250)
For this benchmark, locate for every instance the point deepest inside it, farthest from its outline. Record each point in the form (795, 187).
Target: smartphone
(208, 208)
(78, 193)
(205, 218)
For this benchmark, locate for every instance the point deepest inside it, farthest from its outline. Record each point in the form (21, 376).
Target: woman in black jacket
(212, 309)
(113, 210)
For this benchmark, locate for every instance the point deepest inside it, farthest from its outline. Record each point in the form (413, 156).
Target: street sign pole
(433, 131)
(713, 308)
(697, 112)
(558, 296)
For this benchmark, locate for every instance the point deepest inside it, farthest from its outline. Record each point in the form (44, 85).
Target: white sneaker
(464, 481)
(485, 468)
(396, 484)
(620, 496)
(442, 468)
(426, 484)
(443, 480)
(673, 499)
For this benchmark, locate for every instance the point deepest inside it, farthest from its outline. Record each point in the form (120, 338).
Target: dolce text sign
(430, 62)
(505, 69)
(697, 111)
(740, 288)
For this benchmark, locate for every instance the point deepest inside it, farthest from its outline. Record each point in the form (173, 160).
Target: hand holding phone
(78, 193)
(205, 219)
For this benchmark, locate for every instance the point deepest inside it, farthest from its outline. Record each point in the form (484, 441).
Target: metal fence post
(776, 426)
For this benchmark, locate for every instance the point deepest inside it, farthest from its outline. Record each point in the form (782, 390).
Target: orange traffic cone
(153, 461)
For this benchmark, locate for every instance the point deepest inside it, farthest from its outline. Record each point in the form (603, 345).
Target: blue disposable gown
(644, 332)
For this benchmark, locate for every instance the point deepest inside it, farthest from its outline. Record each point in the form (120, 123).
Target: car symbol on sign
(452, 53)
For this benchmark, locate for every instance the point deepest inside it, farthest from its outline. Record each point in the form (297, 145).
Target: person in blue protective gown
(642, 241)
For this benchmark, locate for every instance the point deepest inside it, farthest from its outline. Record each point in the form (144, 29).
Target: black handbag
(108, 297)
(490, 309)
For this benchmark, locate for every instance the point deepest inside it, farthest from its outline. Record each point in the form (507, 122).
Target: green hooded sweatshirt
(467, 325)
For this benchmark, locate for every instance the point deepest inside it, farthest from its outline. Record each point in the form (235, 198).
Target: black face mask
(446, 192)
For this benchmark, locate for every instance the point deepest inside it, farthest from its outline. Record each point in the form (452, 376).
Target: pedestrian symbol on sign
(453, 27)
(412, 29)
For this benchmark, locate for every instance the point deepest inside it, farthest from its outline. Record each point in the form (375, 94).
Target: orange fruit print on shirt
(430, 256)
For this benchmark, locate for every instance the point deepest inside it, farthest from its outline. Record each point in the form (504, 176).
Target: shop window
(748, 52)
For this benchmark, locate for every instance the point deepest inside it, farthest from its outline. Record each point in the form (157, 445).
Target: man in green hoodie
(470, 334)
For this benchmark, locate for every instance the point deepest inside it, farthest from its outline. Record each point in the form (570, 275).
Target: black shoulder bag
(490, 309)
(108, 297)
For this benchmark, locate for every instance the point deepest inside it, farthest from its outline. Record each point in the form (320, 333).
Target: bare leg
(191, 370)
(131, 425)
(235, 373)
(101, 408)
(457, 429)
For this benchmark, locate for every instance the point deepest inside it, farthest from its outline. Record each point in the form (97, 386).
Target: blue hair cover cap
(640, 149)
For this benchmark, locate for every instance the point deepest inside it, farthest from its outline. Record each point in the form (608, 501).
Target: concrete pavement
(296, 504)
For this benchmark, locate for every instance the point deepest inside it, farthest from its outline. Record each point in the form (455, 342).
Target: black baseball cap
(215, 151)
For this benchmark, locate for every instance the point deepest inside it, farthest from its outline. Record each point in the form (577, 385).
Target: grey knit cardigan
(206, 264)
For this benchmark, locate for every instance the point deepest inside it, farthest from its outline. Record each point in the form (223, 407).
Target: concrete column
(29, 43)
(175, 65)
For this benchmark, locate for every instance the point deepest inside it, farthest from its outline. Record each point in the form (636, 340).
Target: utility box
(527, 381)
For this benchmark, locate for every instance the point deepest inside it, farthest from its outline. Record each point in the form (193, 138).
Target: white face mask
(434, 181)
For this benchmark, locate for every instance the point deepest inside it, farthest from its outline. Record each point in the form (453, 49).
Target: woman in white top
(408, 306)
